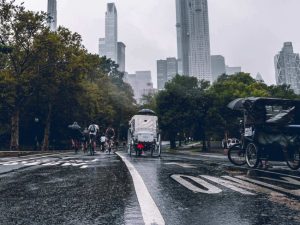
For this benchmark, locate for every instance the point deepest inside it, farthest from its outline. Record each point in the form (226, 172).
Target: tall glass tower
(52, 15)
(111, 32)
(287, 67)
(193, 41)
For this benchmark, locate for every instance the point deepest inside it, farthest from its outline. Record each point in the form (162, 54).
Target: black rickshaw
(270, 130)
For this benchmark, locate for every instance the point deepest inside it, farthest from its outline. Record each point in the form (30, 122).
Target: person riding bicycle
(75, 135)
(109, 134)
(93, 131)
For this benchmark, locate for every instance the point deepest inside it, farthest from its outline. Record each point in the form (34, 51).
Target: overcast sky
(248, 33)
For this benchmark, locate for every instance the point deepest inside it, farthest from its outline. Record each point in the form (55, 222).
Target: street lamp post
(36, 140)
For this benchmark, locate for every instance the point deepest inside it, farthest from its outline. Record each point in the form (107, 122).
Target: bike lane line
(150, 211)
(246, 168)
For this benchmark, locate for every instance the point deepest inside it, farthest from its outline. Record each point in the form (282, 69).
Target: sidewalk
(194, 148)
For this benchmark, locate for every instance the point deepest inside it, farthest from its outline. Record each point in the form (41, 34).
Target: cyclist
(76, 136)
(102, 141)
(93, 131)
(85, 139)
(109, 134)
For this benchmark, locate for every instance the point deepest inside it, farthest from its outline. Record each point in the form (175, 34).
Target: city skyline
(253, 47)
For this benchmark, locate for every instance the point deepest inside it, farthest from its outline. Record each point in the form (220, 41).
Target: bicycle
(75, 145)
(109, 145)
(92, 146)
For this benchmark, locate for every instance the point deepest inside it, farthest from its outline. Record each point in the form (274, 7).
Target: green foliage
(183, 107)
(5, 49)
(51, 76)
(188, 107)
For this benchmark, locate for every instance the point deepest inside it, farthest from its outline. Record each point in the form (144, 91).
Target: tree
(60, 67)
(183, 105)
(18, 29)
(5, 49)
(282, 91)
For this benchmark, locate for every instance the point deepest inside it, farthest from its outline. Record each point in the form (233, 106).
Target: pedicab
(143, 134)
(270, 131)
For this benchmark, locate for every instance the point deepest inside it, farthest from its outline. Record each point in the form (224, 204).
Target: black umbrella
(236, 104)
(74, 126)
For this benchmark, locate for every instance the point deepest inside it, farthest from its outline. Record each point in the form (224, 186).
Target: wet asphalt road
(186, 189)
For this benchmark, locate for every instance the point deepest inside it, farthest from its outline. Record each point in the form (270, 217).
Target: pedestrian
(102, 142)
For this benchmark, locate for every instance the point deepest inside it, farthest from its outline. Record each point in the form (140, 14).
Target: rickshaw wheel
(252, 155)
(130, 148)
(156, 148)
(293, 158)
(236, 155)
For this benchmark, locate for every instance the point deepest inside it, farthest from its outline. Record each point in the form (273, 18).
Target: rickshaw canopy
(268, 110)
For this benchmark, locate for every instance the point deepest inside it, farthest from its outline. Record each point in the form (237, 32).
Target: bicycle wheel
(91, 150)
(236, 155)
(252, 155)
(292, 157)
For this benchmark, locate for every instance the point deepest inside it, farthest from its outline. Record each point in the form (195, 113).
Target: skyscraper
(166, 71)
(183, 38)
(217, 66)
(231, 70)
(193, 41)
(287, 67)
(111, 32)
(141, 83)
(121, 56)
(161, 73)
(172, 68)
(52, 15)
(102, 47)
(109, 46)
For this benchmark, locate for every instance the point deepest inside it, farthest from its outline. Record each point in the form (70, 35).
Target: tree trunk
(47, 130)
(14, 140)
(204, 145)
(209, 144)
(173, 141)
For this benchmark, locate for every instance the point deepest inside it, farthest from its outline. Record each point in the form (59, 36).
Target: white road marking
(227, 184)
(250, 186)
(211, 189)
(39, 157)
(150, 212)
(281, 189)
(10, 164)
(31, 163)
(285, 180)
(83, 167)
(51, 164)
(184, 165)
(215, 156)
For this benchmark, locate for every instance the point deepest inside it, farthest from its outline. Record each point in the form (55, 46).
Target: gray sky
(247, 33)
